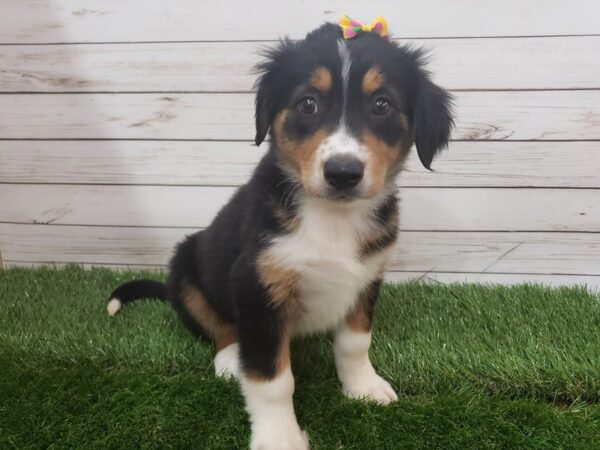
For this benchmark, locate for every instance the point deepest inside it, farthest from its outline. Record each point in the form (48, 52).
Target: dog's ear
(433, 120)
(269, 85)
(263, 115)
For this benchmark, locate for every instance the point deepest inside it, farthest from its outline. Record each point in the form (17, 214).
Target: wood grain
(424, 252)
(543, 115)
(31, 21)
(476, 164)
(125, 125)
(194, 206)
(227, 66)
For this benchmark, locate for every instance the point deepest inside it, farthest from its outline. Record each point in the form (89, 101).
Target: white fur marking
(113, 307)
(324, 251)
(344, 54)
(227, 362)
(358, 377)
(271, 410)
(340, 142)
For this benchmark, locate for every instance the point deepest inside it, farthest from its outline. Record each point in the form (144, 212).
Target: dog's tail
(134, 290)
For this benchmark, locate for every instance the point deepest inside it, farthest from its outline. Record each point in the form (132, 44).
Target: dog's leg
(269, 394)
(265, 370)
(351, 350)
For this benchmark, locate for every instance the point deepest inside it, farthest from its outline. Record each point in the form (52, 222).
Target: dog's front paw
(370, 387)
(227, 362)
(278, 437)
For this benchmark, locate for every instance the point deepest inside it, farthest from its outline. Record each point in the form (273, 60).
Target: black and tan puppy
(302, 247)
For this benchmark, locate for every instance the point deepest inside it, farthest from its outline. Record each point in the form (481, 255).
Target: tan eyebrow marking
(321, 79)
(372, 81)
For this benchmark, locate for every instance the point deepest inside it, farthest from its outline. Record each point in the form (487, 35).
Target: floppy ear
(263, 114)
(433, 120)
(273, 77)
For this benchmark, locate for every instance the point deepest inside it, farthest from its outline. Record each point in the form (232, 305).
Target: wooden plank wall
(116, 114)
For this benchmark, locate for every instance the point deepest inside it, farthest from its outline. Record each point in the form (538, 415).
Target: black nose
(343, 171)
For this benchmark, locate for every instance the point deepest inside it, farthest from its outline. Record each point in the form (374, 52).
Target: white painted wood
(485, 252)
(227, 66)
(118, 267)
(27, 21)
(128, 162)
(543, 115)
(421, 208)
(129, 223)
(430, 252)
(592, 282)
(112, 205)
(507, 164)
(97, 245)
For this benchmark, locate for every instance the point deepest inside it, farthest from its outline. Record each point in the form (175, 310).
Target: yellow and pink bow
(351, 28)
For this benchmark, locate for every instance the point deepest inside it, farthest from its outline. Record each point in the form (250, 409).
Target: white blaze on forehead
(345, 73)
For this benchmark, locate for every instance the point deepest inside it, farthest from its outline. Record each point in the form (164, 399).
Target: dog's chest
(325, 253)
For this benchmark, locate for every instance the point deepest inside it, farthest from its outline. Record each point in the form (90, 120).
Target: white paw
(371, 387)
(227, 363)
(275, 436)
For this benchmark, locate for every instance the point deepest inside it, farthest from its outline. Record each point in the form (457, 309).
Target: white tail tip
(113, 306)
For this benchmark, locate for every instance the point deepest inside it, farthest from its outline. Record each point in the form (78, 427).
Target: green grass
(475, 367)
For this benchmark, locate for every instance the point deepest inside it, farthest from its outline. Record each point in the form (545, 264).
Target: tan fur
(281, 284)
(283, 356)
(372, 81)
(221, 332)
(358, 319)
(300, 155)
(382, 158)
(321, 79)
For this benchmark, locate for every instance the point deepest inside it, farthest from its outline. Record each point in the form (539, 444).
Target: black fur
(387, 217)
(432, 121)
(134, 290)
(372, 294)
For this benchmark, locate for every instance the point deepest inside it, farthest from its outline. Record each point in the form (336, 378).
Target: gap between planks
(407, 274)
(267, 41)
(200, 228)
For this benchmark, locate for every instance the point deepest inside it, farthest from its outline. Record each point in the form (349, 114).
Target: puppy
(303, 246)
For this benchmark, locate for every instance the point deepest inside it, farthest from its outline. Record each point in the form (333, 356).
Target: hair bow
(351, 28)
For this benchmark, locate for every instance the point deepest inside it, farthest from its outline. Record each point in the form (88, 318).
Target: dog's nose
(343, 171)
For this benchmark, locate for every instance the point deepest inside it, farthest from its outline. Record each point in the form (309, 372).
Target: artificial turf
(475, 367)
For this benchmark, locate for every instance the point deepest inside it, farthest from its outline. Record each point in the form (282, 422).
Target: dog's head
(343, 114)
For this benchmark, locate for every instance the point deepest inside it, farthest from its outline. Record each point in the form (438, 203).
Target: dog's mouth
(341, 195)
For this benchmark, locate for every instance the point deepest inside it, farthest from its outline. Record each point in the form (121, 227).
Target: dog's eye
(308, 106)
(381, 106)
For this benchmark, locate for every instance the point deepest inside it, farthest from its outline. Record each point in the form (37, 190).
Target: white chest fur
(324, 251)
